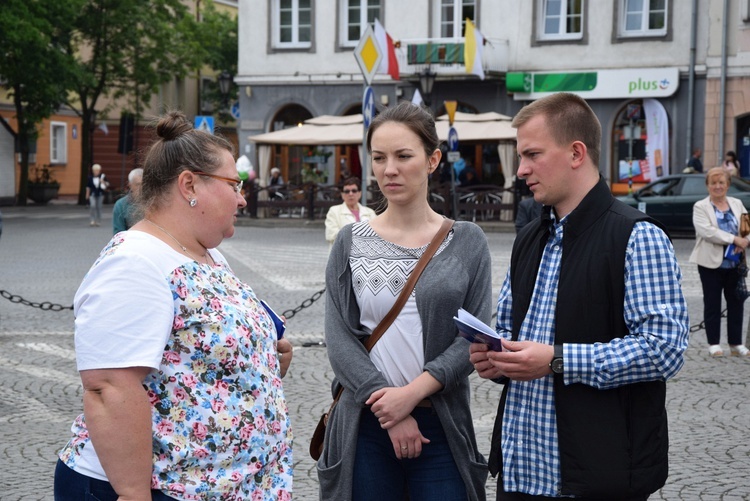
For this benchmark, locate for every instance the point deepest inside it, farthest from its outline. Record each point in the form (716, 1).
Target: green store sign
(601, 84)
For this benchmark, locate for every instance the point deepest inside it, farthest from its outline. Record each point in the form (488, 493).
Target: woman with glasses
(181, 364)
(351, 211)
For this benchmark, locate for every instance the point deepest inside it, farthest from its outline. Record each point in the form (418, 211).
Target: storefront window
(640, 142)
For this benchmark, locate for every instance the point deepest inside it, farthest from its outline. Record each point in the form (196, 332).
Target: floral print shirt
(219, 418)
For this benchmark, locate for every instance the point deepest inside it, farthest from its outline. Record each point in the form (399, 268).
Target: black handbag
(741, 289)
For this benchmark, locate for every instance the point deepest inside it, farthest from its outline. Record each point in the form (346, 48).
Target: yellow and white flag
(473, 50)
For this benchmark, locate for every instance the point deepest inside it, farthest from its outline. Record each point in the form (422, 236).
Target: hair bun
(173, 125)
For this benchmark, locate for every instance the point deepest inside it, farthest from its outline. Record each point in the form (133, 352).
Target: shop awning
(329, 129)
(322, 130)
(481, 127)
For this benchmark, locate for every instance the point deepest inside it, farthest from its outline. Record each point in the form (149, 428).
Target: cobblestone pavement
(45, 251)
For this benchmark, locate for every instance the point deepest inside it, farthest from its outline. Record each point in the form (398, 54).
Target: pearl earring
(193, 202)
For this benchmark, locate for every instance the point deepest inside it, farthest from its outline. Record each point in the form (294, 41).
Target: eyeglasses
(346, 192)
(236, 184)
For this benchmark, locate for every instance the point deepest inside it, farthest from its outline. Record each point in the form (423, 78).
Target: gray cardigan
(458, 277)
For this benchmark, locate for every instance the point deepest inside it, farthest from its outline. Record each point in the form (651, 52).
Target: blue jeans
(379, 475)
(72, 486)
(716, 282)
(95, 209)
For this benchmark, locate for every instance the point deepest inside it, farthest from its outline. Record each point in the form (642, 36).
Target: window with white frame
(560, 20)
(643, 18)
(355, 15)
(452, 16)
(58, 142)
(292, 24)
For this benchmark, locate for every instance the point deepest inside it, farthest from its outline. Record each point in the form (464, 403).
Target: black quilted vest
(613, 443)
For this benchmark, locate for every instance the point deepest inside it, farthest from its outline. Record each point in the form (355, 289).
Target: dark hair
(414, 117)
(569, 118)
(352, 180)
(179, 147)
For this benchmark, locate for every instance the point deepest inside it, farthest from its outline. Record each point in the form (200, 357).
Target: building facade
(652, 70)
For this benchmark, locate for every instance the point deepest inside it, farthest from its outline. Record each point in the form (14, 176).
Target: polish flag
(389, 63)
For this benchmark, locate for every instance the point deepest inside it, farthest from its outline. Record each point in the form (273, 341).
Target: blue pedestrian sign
(204, 123)
(452, 139)
(368, 106)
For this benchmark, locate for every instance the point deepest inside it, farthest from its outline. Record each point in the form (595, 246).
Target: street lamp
(225, 83)
(426, 82)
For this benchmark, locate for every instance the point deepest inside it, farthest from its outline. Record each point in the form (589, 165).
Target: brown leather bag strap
(406, 291)
(410, 284)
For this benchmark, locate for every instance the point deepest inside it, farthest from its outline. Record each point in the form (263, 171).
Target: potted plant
(43, 187)
(317, 156)
(311, 174)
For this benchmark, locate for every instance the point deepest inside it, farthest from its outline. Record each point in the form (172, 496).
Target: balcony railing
(445, 56)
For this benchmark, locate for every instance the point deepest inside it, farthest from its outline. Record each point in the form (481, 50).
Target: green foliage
(126, 49)
(217, 33)
(34, 67)
(76, 52)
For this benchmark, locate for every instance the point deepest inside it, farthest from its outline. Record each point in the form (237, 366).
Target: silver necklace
(184, 249)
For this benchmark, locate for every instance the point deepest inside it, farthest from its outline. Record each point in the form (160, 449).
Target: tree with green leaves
(127, 48)
(218, 32)
(34, 68)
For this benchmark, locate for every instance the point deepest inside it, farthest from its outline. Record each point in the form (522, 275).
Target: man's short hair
(569, 118)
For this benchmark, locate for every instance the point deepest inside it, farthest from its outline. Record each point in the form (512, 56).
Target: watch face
(557, 365)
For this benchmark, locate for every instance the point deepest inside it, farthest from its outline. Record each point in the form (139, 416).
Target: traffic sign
(368, 54)
(454, 156)
(633, 111)
(204, 123)
(452, 139)
(235, 110)
(450, 108)
(368, 106)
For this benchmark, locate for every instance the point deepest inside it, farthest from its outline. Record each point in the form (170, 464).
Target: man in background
(125, 214)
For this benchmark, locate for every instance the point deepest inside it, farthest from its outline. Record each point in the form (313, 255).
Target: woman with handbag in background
(719, 249)
(95, 188)
(402, 426)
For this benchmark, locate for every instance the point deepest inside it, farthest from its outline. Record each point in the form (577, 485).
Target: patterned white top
(380, 270)
(220, 423)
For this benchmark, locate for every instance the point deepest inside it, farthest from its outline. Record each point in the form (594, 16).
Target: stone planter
(41, 193)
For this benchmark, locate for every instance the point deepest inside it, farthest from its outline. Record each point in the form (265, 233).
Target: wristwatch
(557, 360)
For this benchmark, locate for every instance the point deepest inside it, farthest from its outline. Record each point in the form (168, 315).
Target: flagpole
(365, 155)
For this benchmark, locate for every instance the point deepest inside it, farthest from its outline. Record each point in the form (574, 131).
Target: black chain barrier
(46, 306)
(702, 324)
(305, 304)
(288, 314)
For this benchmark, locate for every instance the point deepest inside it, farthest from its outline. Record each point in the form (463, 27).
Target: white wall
(510, 20)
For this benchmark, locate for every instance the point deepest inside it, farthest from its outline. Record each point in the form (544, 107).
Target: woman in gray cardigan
(403, 423)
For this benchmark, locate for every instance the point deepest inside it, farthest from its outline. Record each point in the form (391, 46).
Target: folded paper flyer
(476, 331)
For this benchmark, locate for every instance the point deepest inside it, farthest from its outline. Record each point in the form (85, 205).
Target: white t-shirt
(218, 408)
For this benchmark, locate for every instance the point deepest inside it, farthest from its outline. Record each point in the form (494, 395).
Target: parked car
(670, 199)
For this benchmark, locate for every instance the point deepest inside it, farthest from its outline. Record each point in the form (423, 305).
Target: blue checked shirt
(656, 317)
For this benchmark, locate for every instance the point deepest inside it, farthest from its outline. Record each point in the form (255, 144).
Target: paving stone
(46, 251)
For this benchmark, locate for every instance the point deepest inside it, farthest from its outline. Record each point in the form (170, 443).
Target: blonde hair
(713, 171)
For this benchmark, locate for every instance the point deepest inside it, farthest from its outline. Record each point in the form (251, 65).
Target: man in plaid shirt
(595, 323)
